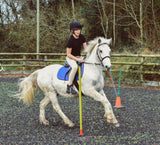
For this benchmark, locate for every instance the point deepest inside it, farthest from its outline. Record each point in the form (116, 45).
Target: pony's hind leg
(57, 108)
(42, 106)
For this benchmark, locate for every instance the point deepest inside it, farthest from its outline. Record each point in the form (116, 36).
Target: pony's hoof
(71, 125)
(46, 123)
(110, 120)
(117, 124)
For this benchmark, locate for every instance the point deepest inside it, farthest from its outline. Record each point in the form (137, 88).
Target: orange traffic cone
(118, 103)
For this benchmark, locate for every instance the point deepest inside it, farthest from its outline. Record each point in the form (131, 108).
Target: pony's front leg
(42, 106)
(57, 108)
(101, 97)
(109, 111)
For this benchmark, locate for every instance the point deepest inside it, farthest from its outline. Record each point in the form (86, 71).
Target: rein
(92, 63)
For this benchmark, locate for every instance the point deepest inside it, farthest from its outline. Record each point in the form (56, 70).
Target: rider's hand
(80, 60)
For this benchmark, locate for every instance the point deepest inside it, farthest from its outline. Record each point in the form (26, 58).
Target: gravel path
(140, 120)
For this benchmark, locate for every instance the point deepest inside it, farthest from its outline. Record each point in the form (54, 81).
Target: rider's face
(77, 32)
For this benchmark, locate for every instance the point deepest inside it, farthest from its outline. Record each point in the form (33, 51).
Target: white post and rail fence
(129, 63)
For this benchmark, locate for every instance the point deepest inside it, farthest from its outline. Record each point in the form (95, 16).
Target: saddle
(64, 71)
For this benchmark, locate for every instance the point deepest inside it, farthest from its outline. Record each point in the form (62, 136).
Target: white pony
(92, 82)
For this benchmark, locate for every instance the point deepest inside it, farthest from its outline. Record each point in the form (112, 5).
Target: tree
(103, 17)
(73, 11)
(114, 21)
(136, 14)
(133, 23)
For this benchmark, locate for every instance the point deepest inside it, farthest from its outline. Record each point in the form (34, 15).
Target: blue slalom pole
(110, 73)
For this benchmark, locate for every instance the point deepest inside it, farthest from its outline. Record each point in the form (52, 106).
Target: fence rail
(26, 60)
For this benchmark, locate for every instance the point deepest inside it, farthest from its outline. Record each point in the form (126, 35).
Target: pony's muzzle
(108, 67)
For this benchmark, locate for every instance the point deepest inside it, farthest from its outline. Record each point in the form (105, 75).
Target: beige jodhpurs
(74, 67)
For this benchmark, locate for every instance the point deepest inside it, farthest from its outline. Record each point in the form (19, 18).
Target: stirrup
(70, 90)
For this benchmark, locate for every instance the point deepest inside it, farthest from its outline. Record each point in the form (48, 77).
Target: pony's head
(99, 47)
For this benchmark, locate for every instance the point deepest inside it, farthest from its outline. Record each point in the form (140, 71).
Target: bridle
(99, 56)
(98, 53)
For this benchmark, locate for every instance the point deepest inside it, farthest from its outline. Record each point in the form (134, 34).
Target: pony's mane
(91, 44)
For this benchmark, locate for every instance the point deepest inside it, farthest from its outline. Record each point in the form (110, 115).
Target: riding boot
(70, 89)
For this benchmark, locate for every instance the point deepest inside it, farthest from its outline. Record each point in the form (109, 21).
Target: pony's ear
(109, 41)
(99, 41)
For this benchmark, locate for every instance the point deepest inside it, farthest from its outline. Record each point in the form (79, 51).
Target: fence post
(45, 58)
(24, 63)
(141, 68)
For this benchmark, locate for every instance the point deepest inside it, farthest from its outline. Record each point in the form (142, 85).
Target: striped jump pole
(80, 101)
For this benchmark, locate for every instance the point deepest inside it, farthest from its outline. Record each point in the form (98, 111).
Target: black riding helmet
(75, 25)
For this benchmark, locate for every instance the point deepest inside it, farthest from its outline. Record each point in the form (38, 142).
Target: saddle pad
(64, 71)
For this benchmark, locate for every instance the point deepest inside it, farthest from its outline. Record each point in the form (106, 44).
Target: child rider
(74, 44)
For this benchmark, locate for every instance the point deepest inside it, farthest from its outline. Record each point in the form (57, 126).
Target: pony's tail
(27, 86)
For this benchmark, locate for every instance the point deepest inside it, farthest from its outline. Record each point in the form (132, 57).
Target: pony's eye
(100, 51)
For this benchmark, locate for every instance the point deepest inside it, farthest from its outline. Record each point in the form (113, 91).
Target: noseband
(99, 56)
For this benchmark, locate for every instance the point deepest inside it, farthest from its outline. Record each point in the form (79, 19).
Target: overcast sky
(5, 9)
